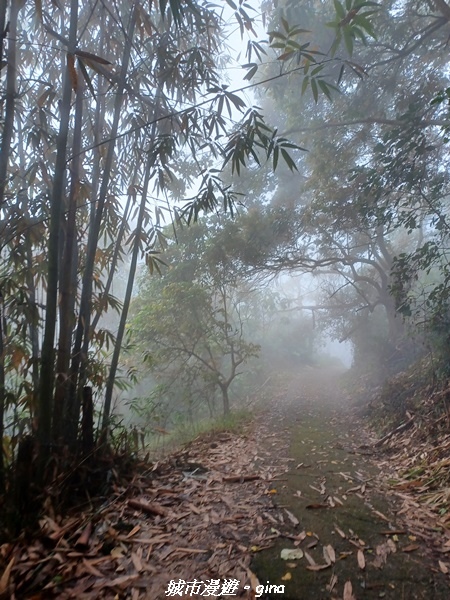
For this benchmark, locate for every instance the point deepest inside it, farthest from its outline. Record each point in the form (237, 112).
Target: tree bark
(82, 335)
(126, 306)
(225, 399)
(3, 8)
(68, 284)
(10, 102)
(56, 207)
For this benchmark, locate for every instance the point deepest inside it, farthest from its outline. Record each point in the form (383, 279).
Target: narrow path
(213, 519)
(352, 544)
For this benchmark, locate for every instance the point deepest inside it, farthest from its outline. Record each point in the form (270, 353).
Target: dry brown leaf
(254, 581)
(293, 519)
(379, 514)
(329, 553)
(318, 567)
(348, 591)
(310, 559)
(391, 545)
(411, 548)
(82, 542)
(340, 532)
(333, 582)
(443, 567)
(135, 529)
(91, 569)
(137, 563)
(120, 582)
(361, 559)
(4, 580)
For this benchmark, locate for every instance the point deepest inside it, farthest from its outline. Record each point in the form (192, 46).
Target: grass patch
(185, 432)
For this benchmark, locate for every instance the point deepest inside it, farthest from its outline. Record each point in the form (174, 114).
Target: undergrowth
(187, 431)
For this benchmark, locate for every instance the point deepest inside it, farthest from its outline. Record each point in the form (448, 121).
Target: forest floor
(297, 507)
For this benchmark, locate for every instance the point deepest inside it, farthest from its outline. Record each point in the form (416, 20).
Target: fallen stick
(83, 541)
(148, 507)
(394, 431)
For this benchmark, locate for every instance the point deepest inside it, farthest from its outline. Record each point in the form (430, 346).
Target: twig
(394, 431)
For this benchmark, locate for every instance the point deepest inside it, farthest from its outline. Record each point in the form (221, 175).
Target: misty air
(224, 300)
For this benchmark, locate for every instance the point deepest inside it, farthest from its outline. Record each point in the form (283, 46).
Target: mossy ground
(324, 437)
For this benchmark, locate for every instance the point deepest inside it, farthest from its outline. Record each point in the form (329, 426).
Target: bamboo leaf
(93, 57)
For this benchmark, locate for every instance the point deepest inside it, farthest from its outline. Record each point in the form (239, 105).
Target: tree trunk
(225, 399)
(68, 284)
(56, 208)
(5, 150)
(126, 306)
(3, 8)
(82, 337)
(87, 424)
(11, 73)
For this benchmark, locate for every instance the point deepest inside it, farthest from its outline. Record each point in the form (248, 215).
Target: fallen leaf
(286, 577)
(333, 582)
(121, 582)
(310, 559)
(135, 529)
(91, 569)
(293, 519)
(379, 514)
(391, 545)
(318, 567)
(340, 532)
(4, 581)
(254, 581)
(410, 548)
(443, 567)
(137, 563)
(329, 554)
(361, 559)
(348, 591)
(117, 552)
(291, 554)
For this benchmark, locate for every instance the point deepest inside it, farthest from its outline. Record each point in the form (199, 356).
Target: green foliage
(100, 106)
(352, 22)
(368, 212)
(189, 323)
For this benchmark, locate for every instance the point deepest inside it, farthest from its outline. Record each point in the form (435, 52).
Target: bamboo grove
(115, 120)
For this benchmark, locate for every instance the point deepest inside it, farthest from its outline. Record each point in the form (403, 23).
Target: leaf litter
(199, 514)
(206, 512)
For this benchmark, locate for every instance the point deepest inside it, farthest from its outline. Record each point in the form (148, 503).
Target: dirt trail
(334, 489)
(204, 515)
